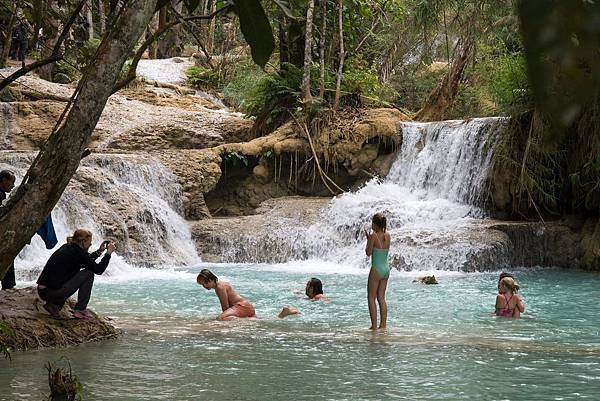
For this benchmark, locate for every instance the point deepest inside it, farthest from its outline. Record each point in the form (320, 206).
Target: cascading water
(130, 199)
(430, 198)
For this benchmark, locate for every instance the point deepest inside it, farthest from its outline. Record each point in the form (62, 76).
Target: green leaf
(256, 29)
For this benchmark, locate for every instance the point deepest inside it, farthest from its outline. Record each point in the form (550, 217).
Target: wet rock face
(22, 310)
(537, 244)
(590, 245)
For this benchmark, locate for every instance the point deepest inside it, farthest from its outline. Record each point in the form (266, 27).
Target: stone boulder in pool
(22, 310)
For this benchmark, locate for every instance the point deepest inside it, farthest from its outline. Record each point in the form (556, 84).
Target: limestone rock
(22, 310)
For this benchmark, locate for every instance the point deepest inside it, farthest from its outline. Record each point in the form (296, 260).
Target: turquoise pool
(442, 342)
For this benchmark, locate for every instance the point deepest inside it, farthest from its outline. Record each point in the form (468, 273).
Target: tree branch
(55, 56)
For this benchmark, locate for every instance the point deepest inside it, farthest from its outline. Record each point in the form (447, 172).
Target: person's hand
(110, 248)
(368, 234)
(103, 246)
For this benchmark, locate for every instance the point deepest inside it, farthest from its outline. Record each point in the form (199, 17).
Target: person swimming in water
(378, 248)
(232, 304)
(314, 290)
(508, 302)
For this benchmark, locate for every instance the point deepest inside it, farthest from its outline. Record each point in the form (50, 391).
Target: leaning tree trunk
(59, 158)
(306, 96)
(442, 97)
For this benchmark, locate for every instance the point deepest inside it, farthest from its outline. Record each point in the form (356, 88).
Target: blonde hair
(79, 236)
(510, 283)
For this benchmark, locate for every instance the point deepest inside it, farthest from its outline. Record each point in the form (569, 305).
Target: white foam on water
(98, 193)
(430, 199)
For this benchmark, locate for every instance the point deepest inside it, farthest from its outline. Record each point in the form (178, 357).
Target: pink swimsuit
(506, 311)
(242, 309)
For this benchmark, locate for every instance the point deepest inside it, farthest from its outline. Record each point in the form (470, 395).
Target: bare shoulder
(223, 286)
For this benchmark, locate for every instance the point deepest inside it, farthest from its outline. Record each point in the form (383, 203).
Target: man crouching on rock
(71, 268)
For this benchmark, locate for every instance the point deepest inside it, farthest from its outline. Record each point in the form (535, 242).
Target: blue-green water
(442, 342)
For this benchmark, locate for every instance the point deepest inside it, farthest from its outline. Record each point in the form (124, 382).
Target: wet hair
(316, 285)
(380, 221)
(510, 283)
(6, 174)
(504, 274)
(79, 236)
(206, 275)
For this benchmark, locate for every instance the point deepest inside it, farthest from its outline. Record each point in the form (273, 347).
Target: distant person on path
(508, 302)
(378, 247)
(71, 268)
(232, 304)
(7, 183)
(20, 42)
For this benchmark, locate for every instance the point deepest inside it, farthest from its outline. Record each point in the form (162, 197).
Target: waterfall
(131, 199)
(431, 198)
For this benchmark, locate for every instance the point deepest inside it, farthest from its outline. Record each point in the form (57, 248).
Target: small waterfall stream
(430, 198)
(130, 199)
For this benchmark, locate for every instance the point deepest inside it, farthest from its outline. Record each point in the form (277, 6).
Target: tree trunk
(322, 49)
(152, 27)
(89, 19)
(306, 96)
(442, 97)
(340, 72)
(51, 37)
(211, 30)
(59, 158)
(102, 17)
(169, 44)
(8, 42)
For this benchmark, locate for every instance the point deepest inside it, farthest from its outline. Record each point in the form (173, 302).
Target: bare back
(227, 295)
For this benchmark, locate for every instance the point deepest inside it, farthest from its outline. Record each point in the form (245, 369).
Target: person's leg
(241, 309)
(9, 281)
(372, 285)
(85, 289)
(287, 311)
(82, 281)
(382, 304)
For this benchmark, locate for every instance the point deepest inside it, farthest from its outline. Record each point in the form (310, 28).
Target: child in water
(378, 247)
(232, 304)
(314, 290)
(508, 302)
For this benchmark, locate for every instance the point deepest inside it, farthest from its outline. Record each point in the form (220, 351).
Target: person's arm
(98, 268)
(499, 299)
(520, 305)
(97, 253)
(369, 247)
(223, 298)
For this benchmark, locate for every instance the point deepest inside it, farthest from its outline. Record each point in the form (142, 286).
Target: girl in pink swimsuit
(508, 302)
(232, 304)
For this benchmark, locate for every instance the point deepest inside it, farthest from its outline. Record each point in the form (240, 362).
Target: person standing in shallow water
(232, 304)
(508, 302)
(378, 247)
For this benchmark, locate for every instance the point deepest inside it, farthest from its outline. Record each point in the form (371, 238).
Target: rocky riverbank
(32, 327)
